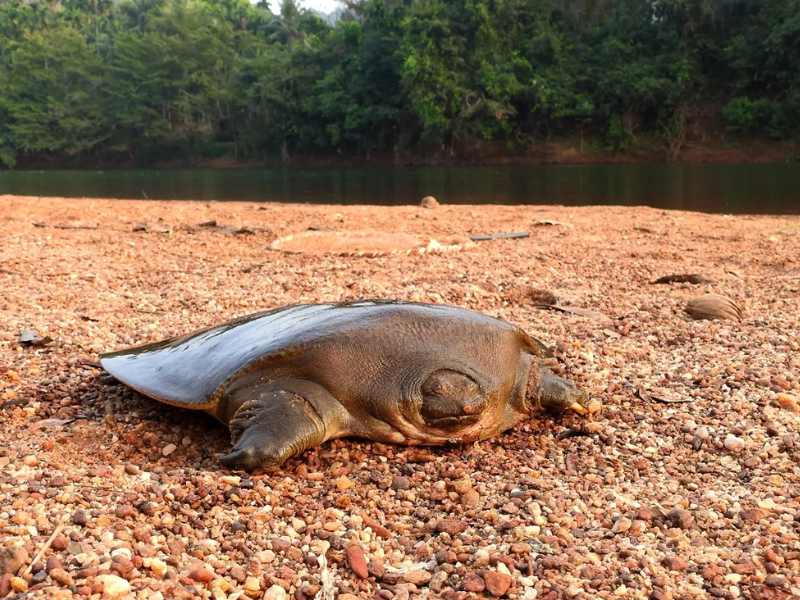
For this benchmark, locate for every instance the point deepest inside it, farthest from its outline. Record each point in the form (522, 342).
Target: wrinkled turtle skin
(288, 379)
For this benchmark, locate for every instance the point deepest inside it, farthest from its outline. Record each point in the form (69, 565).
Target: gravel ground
(683, 483)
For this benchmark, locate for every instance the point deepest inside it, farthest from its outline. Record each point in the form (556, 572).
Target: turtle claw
(252, 454)
(578, 408)
(245, 459)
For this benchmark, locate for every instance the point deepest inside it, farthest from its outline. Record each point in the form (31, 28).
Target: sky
(324, 6)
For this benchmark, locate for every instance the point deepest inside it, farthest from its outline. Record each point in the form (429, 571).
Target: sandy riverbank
(661, 500)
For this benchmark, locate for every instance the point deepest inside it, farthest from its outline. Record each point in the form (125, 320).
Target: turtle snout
(557, 393)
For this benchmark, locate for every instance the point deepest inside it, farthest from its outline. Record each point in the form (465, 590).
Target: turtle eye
(451, 399)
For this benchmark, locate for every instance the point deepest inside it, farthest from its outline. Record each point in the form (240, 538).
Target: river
(735, 189)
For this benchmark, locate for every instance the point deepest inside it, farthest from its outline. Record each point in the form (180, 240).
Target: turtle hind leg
(270, 426)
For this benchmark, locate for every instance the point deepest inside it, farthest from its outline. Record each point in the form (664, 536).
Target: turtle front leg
(271, 425)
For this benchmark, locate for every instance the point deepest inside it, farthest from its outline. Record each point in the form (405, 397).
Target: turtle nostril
(474, 409)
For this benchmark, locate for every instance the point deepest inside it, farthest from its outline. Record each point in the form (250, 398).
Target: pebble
(113, 586)
(158, 567)
(682, 519)
(497, 583)
(357, 561)
(12, 559)
(400, 483)
(343, 483)
(451, 526)
(61, 577)
(471, 498)
(775, 581)
(276, 592)
(789, 402)
(674, 563)
(18, 584)
(53, 562)
(416, 576)
(251, 584)
(622, 525)
(429, 202)
(733, 443)
(201, 574)
(79, 518)
(474, 584)
(59, 543)
(438, 581)
(168, 449)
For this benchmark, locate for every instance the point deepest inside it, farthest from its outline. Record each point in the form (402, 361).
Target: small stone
(113, 586)
(622, 525)
(733, 443)
(417, 577)
(201, 574)
(53, 563)
(471, 498)
(357, 562)
(238, 573)
(743, 568)
(681, 519)
(12, 559)
(276, 592)
(18, 584)
(437, 581)
(462, 486)
(123, 512)
(343, 483)
(451, 526)
(61, 577)
(789, 402)
(5, 585)
(712, 572)
(775, 581)
(497, 583)
(218, 587)
(753, 515)
(767, 504)
(59, 543)
(429, 202)
(674, 563)
(158, 567)
(79, 518)
(148, 509)
(376, 568)
(520, 548)
(86, 573)
(510, 508)
(251, 584)
(168, 449)
(400, 483)
(474, 584)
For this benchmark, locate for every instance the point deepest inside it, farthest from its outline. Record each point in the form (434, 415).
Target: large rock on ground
(12, 559)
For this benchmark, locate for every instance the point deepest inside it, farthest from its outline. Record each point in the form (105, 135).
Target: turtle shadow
(139, 420)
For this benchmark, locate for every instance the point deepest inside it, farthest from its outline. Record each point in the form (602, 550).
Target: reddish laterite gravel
(682, 482)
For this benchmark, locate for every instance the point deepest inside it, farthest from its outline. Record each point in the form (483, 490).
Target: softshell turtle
(288, 379)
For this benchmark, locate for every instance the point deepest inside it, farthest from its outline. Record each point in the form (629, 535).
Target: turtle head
(554, 392)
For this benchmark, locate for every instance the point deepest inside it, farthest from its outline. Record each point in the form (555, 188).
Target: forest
(154, 82)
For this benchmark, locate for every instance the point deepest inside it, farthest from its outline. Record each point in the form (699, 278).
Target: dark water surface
(755, 189)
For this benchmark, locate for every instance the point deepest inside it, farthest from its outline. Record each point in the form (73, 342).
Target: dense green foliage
(150, 81)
